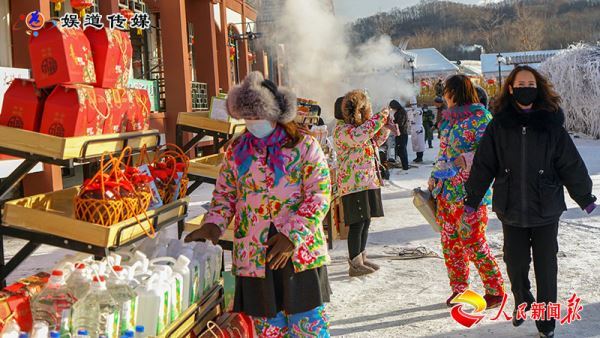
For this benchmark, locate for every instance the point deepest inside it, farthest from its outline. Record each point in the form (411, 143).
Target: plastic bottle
(97, 311)
(126, 298)
(188, 251)
(153, 301)
(82, 333)
(216, 263)
(139, 332)
(182, 266)
(40, 330)
(54, 304)
(172, 281)
(79, 281)
(11, 330)
(175, 280)
(202, 256)
(174, 248)
(54, 334)
(23, 335)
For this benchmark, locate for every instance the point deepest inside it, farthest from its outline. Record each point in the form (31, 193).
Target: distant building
(489, 62)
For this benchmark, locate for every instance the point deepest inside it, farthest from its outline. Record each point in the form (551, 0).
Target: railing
(200, 96)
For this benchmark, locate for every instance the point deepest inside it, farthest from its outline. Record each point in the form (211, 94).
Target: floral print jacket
(296, 206)
(356, 148)
(461, 130)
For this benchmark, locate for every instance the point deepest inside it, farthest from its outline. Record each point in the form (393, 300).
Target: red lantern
(82, 5)
(127, 13)
(491, 81)
(231, 50)
(57, 4)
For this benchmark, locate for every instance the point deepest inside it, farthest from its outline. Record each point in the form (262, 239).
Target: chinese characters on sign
(115, 21)
(538, 311)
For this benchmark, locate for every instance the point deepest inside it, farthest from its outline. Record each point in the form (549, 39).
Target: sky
(350, 10)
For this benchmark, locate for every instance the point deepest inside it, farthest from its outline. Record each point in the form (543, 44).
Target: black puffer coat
(531, 157)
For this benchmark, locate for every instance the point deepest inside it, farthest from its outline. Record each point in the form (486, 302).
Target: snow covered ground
(406, 298)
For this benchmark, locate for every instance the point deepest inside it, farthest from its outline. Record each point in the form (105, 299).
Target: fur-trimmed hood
(355, 107)
(536, 119)
(256, 98)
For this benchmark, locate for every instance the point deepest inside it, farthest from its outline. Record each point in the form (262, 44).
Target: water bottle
(202, 256)
(11, 330)
(175, 280)
(188, 251)
(23, 335)
(444, 169)
(126, 298)
(79, 281)
(54, 304)
(182, 266)
(82, 334)
(40, 330)
(139, 332)
(153, 310)
(97, 311)
(54, 334)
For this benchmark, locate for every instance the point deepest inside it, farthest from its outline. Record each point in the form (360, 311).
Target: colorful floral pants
(464, 241)
(313, 323)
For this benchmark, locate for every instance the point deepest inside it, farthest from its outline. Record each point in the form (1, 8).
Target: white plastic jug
(194, 266)
(202, 254)
(182, 266)
(153, 300)
(174, 280)
(174, 248)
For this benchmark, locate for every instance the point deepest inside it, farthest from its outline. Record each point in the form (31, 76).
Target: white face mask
(260, 128)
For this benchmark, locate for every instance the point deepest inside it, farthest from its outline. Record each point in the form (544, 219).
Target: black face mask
(525, 95)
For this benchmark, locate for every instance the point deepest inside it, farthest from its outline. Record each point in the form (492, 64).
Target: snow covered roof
(489, 62)
(429, 61)
(470, 67)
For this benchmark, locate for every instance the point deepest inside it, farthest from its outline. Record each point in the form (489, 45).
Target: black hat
(395, 105)
(337, 112)
(438, 100)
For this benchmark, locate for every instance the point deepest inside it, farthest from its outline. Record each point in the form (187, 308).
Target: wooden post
(202, 15)
(178, 86)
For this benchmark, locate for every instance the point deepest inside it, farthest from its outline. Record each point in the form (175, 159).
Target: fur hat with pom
(257, 98)
(356, 107)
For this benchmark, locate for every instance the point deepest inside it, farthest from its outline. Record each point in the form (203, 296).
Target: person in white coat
(417, 131)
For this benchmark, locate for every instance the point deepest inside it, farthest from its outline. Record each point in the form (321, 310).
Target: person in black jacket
(401, 119)
(530, 156)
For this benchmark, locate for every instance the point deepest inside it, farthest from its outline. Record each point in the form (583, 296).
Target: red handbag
(230, 325)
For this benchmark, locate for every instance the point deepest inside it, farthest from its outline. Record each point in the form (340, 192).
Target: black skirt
(362, 206)
(281, 290)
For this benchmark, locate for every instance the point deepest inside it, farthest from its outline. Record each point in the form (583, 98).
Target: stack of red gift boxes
(79, 87)
(15, 300)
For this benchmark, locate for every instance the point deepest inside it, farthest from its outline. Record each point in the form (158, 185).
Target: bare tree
(529, 28)
(488, 24)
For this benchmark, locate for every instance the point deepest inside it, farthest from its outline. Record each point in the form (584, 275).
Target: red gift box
(61, 56)
(22, 106)
(75, 110)
(138, 117)
(17, 307)
(112, 53)
(120, 102)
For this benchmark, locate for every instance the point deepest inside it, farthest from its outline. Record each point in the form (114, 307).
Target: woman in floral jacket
(275, 186)
(463, 231)
(356, 141)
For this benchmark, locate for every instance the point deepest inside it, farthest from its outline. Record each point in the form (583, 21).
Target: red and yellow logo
(473, 300)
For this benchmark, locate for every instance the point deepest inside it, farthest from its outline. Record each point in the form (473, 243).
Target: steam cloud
(322, 65)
